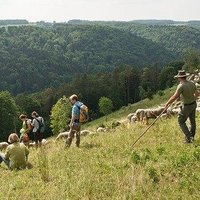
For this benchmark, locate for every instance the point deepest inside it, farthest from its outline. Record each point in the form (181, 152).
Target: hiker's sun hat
(181, 74)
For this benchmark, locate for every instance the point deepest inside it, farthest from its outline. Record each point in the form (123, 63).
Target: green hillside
(13, 22)
(178, 37)
(175, 38)
(194, 23)
(32, 58)
(105, 167)
(141, 22)
(47, 55)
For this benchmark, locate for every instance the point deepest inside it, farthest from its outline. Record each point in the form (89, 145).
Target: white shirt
(35, 123)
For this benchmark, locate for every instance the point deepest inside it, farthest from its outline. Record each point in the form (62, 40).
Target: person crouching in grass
(16, 154)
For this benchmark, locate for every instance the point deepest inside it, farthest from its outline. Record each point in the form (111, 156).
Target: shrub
(60, 115)
(160, 150)
(182, 160)
(8, 115)
(141, 157)
(153, 174)
(161, 93)
(105, 105)
(135, 157)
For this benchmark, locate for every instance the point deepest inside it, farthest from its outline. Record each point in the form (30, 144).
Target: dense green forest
(177, 37)
(36, 57)
(33, 58)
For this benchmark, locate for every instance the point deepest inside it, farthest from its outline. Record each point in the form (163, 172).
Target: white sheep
(85, 132)
(44, 143)
(133, 119)
(198, 109)
(165, 115)
(101, 130)
(63, 135)
(176, 111)
(144, 114)
(196, 79)
(129, 116)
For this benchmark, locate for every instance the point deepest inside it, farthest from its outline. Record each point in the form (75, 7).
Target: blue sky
(64, 10)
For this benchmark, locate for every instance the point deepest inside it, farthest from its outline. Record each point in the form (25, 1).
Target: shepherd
(188, 94)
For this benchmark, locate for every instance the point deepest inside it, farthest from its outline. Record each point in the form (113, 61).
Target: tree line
(13, 22)
(177, 37)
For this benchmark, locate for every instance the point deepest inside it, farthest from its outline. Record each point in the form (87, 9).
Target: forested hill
(145, 21)
(13, 22)
(194, 23)
(32, 58)
(177, 37)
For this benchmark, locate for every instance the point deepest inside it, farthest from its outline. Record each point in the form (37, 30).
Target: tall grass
(43, 165)
(160, 166)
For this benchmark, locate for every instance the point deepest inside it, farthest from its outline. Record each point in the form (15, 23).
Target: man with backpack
(79, 115)
(38, 128)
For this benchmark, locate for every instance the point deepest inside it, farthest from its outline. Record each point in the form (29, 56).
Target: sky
(118, 10)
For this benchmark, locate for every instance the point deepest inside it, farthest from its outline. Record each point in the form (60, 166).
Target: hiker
(16, 154)
(25, 130)
(75, 125)
(38, 128)
(187, 91)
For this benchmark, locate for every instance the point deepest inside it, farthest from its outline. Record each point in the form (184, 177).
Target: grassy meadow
(160, 166)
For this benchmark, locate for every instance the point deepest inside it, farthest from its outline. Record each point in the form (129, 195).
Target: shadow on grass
(29, 165)
(91, 145)
(4, 167)
(196, 143)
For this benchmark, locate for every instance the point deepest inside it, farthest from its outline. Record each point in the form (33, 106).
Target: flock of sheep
(143, 115)
(64, 135)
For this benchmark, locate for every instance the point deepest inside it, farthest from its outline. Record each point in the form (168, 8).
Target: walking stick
(149, 127)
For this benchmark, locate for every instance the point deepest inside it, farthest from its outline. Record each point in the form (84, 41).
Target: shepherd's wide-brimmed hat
(181, 74)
